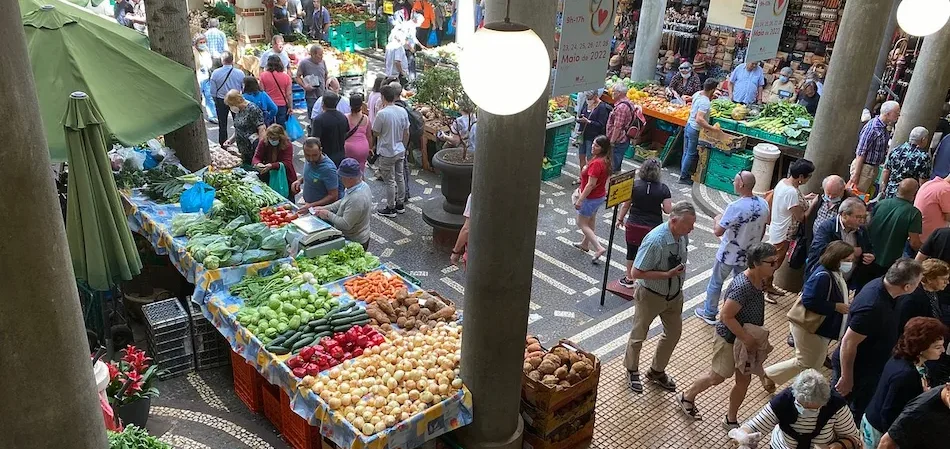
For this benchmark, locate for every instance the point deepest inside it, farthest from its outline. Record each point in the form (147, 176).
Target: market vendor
(809, 97)
(276, 48)
(320, 20)
(320, 183)
(248, 124)
(745, 83)
(685, 83)
(698, 120)
(273, 150)
(351, 215)
(783, 89)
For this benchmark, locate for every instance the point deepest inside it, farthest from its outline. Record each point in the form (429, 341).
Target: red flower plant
(131, 377)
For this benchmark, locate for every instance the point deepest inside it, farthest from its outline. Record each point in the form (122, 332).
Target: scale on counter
(314, 237)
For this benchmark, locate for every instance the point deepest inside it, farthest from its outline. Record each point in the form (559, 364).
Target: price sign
(620, 188)
(587, 27)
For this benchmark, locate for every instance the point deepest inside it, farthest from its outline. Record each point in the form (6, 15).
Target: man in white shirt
(333, 85)
(397, 63)
(276, 48)
(391, 128)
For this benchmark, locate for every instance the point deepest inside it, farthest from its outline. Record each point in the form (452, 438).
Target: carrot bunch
(373, 286)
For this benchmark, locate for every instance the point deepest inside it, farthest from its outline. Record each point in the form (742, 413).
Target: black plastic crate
(183, 349)
(169, 346)
(166, 320)
(212, 358)
(176, 366)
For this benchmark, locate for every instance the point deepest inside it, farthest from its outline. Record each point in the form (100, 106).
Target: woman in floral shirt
(248, 125)
(910, 160)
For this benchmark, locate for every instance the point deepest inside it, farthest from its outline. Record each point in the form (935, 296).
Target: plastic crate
(730, 163)
(176, 366)
(666, 126)
(719, 182)
(552, 171)
(727, 124)
(774, 138)
(742, 128)
(165, 320)
(170, 349)
(296, 430)
(247, 383)
(270, 394)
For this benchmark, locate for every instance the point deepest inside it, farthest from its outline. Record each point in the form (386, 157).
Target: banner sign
(587, 27)
(766, 29)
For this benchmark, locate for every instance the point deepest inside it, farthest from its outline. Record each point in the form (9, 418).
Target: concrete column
(48, 394)
(882, 55)
(649, 34)
(838, 121)
(170, 36)
(501, 257)
(925, 94)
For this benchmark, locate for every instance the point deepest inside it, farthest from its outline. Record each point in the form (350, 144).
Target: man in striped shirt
(659, 270)
(872, 146)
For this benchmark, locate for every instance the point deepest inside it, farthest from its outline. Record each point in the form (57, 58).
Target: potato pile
(411, 311)
(559, 369)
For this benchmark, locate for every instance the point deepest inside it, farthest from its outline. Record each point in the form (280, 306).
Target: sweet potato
(424, 314)
(564, 384)
(549, 380)
(378, 315)
(531, 341)
(563, 353)
(533, 361)
(414, 310)
(534, 375)
(434, 304)
(410, 323)
(410, 301)
(534, 354)
(446, 314)
(401, 322)
(433, 323)
(402, 293)
(527, 367)
(553, 358)
(386, 307)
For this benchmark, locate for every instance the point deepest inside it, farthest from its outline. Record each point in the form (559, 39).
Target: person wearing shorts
(591, 195)
(648, 201)
(745, 304)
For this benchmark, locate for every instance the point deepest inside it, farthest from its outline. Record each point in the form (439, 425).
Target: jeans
(690, 155)
(405, 173)
(310, 103)
(619, 150)
(208, 102)
(720, 272)
(222, 110)
(392, 169)
(281, 118)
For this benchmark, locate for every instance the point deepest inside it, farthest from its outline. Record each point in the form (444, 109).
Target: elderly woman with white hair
(805, 415)
(910, 160)
(783, 89)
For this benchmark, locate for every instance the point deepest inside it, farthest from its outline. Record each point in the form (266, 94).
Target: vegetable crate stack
(169, 336)
(723, 168)
(556, 141)
(211, 349)
(558, 394)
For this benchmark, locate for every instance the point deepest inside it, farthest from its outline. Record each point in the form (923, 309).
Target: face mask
(273, 143)
(805, 412)
(783, 78)
(846, 267)
(235, 110)
(202, 47)
(829, 199)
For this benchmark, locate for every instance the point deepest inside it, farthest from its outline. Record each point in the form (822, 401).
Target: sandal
(729, 425)
(578, 246)
(596, 259)
(576, 182)
(688, 407)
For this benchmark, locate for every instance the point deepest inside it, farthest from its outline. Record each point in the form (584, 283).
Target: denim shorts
(585, 148)
(590, 205)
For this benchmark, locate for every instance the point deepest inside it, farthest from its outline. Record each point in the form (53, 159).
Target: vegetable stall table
(316, 414)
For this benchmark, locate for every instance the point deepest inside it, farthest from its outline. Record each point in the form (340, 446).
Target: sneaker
(685, 182)
(729, 425)
(400, 208)
(387, 212)
(710, 321)
(634, 382)
(688, 407)
(628, 283)
(662, 379)
(790, 341)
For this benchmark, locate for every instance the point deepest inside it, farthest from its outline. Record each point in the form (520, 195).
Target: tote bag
(806, 319)
(278, 181)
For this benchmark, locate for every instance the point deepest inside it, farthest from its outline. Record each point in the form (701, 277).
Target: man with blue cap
(351, 215)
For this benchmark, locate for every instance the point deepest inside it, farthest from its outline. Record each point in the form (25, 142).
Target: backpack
(636, 123)
(416, 122)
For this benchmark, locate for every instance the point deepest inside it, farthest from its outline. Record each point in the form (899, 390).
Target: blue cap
(349, 168)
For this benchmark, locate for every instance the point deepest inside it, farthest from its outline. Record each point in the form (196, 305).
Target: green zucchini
(277, 341)
(303, 342)
(279, 350)
(318, 322)
(307, 335)
(349, 319)
(345, 327)
(321, 328)
(293, 339)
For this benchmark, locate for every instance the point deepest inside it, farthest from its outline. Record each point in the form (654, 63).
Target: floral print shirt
(744, 221)
(246, 124)
(906, 161)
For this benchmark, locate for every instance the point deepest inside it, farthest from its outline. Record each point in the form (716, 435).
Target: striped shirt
(872, 142)
(839, 426)
(658, 252)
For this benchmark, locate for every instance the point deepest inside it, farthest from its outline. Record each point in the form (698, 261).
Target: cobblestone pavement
(564, 304)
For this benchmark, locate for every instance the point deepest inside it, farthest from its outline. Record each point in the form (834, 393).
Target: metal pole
(610, 247)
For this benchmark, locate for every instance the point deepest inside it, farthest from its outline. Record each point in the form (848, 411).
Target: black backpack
(416, 122)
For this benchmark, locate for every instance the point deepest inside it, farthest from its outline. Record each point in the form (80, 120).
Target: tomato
(291, 217)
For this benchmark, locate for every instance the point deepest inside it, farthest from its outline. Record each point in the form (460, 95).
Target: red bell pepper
(294, 362)
(300, 372)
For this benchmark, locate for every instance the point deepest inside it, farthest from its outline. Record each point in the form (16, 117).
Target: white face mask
(805, 412)
(846, 267)
(235, 110)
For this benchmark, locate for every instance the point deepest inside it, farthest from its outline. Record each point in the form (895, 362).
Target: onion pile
(393, 381)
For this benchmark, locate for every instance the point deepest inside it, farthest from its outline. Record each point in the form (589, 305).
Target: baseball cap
(349, 168)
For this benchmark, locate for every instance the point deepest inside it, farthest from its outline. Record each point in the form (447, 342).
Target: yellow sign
(620, 188)
(388, 7)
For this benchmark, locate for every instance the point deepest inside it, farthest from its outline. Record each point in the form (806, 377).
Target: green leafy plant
(442, 87)
(134, 438)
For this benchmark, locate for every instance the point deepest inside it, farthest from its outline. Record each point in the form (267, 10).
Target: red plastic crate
(247, 383)
(296, 430)
(271, 395)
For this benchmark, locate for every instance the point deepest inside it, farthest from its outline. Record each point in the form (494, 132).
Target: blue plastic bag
(200, 197)
(294, 130)
(433, 39)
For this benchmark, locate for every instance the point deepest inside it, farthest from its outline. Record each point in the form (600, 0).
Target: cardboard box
(543, 422)
(724, 141)
(571, 435)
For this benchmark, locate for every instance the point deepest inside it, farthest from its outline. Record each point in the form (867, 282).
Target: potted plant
(130, 389)
(134, 437)
(442, 88)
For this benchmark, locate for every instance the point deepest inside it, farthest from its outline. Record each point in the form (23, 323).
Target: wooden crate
(543, 422)
(545, 398)
(726, 141)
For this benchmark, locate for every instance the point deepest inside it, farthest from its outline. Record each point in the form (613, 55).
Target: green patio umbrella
(140, 93)
(105, 27)
(100, 242)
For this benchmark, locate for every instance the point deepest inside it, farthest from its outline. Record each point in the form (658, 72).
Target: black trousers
(222, 110)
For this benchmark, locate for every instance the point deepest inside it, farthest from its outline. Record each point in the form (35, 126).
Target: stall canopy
(140, 93)
(100, 242)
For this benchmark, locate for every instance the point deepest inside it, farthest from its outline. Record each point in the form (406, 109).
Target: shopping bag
(278, 181)
(294, 129)
(433, 39)
(200, 197)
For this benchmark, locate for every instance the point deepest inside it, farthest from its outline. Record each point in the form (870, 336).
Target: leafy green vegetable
(134, 438)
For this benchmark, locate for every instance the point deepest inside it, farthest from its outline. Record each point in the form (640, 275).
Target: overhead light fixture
(504, 67)
(923, 17)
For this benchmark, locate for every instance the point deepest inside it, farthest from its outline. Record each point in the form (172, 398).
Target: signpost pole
(610, 247)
